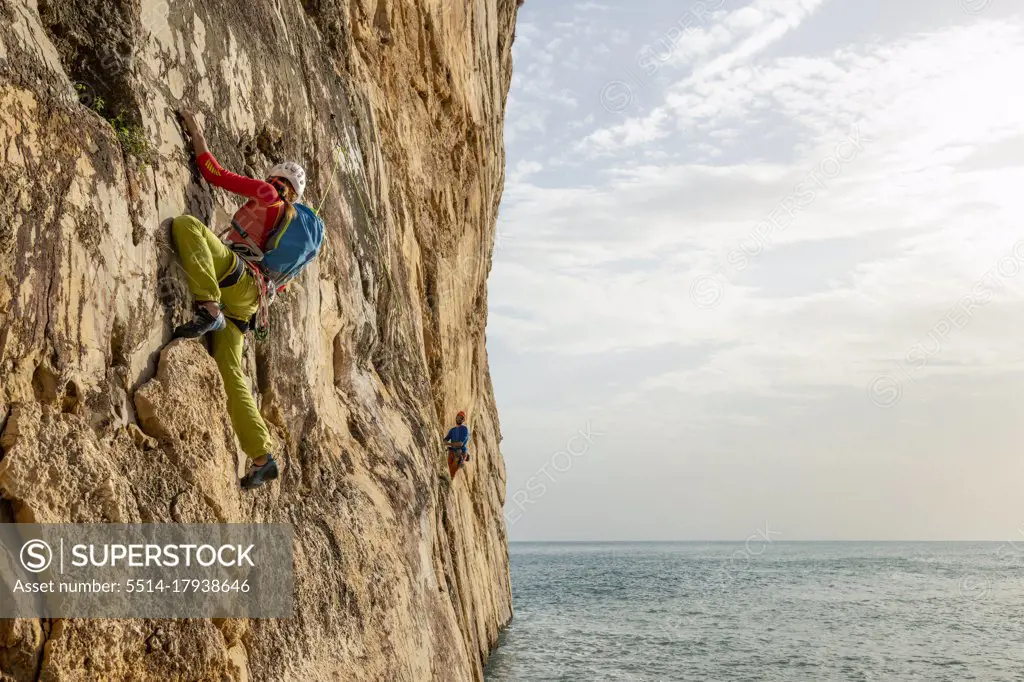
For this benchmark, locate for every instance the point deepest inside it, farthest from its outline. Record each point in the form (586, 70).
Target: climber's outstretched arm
(215, 174)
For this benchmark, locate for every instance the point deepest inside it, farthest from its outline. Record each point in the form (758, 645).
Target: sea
(764, 610)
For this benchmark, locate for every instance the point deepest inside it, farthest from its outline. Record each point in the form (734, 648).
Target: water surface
(764, 611)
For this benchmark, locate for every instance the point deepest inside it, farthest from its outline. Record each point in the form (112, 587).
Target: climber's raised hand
(188, 119)
(191, 124)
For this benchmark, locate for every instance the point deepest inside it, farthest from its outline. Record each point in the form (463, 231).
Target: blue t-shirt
(458, 434)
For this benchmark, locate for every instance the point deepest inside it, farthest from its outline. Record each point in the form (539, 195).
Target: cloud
(614, 261)
(740, 36)
(792, 224)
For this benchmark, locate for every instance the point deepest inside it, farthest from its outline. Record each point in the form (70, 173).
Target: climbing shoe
(258, 475)
(202, 323)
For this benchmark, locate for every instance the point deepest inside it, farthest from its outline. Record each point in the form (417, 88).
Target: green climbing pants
(207, 262)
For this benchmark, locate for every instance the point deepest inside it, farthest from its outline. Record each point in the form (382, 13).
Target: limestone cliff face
(395, 108)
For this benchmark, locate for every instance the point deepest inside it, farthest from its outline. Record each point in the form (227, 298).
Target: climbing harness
(248, 256)
(267, 291)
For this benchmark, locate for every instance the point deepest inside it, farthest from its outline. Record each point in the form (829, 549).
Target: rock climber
(457, 438)
(230, 284)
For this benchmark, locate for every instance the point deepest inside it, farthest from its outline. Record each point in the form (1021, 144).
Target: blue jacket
(458, 434)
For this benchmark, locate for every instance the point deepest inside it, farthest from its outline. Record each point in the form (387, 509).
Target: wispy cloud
(711, 53)
(777, 214)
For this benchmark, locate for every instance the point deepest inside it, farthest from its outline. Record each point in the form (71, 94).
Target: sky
(758, 270)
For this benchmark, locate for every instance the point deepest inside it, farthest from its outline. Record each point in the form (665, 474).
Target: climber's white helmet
(293, 173)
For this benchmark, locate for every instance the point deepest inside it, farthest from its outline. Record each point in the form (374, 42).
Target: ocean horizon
(780, 610)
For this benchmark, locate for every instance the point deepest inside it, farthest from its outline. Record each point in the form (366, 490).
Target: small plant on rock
(133, 139)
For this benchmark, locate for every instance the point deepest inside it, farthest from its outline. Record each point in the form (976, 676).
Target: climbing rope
(362, 203)
(334, 175)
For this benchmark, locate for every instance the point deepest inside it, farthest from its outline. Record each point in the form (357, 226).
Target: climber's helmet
(293, 173)
(460, 417)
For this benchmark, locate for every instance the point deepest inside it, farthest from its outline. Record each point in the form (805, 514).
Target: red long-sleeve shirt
(260, 215)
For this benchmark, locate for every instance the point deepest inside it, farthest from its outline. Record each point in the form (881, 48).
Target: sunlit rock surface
(395, 108)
